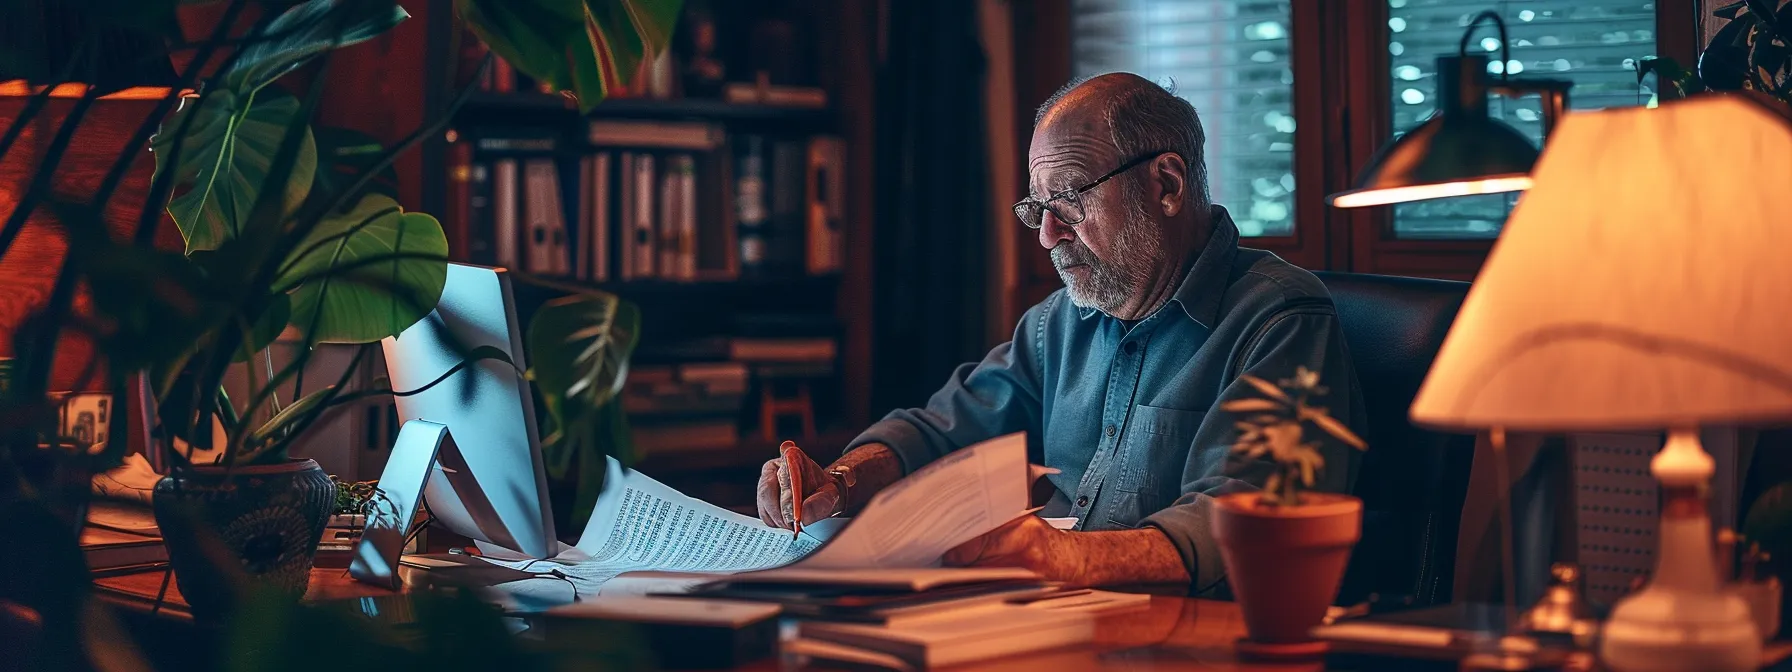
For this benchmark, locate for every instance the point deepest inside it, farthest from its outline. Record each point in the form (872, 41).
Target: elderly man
(1116, 378)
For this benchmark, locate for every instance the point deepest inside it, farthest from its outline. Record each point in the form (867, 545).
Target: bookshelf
(751, 230)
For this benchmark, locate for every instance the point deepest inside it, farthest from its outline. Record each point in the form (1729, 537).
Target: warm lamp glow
(1639, 284)
(1492, 185)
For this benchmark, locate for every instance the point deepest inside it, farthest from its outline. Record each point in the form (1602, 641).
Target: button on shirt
(1130, 414)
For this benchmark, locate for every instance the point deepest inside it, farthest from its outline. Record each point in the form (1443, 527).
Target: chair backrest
(1413, 481)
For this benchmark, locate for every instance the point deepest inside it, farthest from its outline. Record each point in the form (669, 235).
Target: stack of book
(922, 618)
(685, 407)
(121, 538)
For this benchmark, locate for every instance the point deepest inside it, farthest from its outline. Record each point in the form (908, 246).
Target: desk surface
(1171, 634)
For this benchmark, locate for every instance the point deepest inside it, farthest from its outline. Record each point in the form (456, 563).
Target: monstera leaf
(366, 274)
(225, 160)
(305, 31)
(588, 47)
(578, 348)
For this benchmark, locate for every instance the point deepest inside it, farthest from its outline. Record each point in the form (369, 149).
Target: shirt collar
(1204, 286)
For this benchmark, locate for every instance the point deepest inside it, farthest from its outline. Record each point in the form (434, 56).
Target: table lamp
(1460, 150)
(1640, 284)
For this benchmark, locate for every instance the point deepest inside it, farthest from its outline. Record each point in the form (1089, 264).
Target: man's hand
(1141, 556)
(1027, 542)
(820, 495)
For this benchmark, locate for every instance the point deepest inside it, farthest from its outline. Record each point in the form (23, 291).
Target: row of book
(698, 405)
(649, 200)
(656, 80)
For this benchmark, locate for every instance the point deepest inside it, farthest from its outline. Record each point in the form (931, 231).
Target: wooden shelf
(512, 108)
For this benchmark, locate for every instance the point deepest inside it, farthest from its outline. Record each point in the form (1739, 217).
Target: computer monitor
(493, 489)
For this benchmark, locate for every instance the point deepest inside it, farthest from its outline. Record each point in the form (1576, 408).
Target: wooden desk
(1172, 634)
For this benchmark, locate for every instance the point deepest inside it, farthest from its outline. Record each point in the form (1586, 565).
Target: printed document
(640, 525)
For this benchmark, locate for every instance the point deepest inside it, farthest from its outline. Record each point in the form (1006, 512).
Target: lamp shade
(1445, 156)
(1640, 283)
(1459, 151)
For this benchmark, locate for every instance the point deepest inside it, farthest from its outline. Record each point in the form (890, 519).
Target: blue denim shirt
(1131, 416)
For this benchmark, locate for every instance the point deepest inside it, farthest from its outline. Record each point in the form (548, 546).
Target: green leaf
(267, 328)
(225, 161)
(271, 429)
(305, 31)
(366, 274)
(579, 348)
(589, 47)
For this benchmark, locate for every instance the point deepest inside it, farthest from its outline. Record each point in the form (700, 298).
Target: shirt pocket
(1156, 446)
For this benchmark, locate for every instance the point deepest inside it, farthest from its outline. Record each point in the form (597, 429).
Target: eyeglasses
(1068, 204)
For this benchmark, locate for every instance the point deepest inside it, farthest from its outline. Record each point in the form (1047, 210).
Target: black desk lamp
(1460, 150)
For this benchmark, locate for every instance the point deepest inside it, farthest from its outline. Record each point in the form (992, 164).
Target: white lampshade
(1644, 281)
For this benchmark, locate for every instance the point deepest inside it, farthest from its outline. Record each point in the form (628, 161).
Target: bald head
(1118, 244)
(1137, 116)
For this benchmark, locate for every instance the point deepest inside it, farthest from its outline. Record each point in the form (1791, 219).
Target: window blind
(1593, 43)
(1230, 60)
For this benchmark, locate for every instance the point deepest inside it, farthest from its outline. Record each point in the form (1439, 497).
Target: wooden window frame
(1373, 245)
(1343, 117)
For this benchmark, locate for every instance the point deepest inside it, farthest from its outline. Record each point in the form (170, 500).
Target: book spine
(600, 218)
(505, 231)
(750, 203)
(480, 213)
(687, 217)
(642, 226)
(539, 186)
(669, 218)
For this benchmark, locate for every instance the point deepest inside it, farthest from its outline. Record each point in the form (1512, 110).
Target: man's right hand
(819, 498)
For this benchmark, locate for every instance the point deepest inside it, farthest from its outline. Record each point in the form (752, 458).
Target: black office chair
(1412, 481)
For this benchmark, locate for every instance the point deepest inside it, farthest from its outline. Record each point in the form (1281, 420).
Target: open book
(640, 525)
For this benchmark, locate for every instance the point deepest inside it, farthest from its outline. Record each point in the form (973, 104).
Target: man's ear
(1171, 175)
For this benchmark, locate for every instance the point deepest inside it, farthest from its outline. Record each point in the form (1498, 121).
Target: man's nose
(1053, 230)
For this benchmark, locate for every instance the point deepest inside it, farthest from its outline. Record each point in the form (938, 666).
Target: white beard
(1139, 249)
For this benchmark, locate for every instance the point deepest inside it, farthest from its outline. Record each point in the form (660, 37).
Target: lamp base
(1683, 619)
(1665, 629)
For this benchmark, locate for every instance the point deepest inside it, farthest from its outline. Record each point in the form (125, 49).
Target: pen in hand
(793, 467)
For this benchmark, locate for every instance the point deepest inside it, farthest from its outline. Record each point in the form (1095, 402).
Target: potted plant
(275, 239)
(1285, 547)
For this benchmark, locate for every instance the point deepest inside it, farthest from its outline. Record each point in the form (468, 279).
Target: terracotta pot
(268, 518)
(1284, 564)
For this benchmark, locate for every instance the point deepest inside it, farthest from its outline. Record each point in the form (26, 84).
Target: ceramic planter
(269, 518)
(1285, 564)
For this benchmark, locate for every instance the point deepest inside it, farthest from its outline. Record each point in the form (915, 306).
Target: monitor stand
(395, 501)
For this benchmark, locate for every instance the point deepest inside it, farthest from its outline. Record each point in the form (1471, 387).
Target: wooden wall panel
(28, 270)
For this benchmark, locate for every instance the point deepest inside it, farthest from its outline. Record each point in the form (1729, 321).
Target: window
(1230, 59)
(1593, 43)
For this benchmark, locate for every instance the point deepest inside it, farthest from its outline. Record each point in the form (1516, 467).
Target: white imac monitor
(493, 489)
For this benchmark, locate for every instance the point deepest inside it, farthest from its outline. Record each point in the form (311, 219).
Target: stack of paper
(668, 542)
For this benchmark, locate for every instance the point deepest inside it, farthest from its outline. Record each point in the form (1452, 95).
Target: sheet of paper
(916, 520)
(641, 524)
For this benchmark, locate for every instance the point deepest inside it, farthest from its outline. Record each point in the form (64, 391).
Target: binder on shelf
(641, 227)
(505, 233)
(825, 207)
(546, 221)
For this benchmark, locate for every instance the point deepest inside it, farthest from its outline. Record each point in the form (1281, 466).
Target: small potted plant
(1285, 547)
